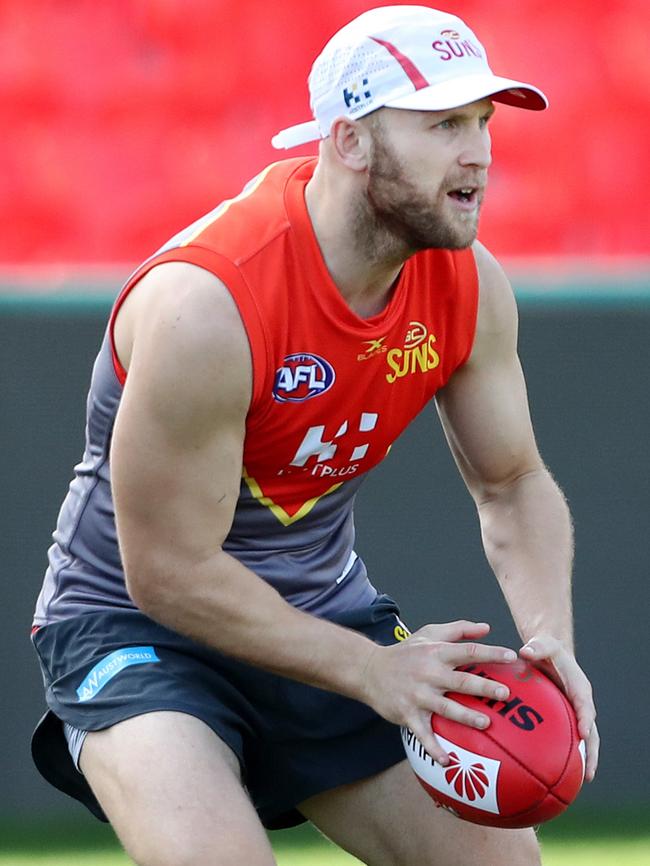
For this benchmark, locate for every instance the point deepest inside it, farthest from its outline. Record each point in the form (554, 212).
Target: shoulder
(189, 301)
(496, 326)
(181, 324)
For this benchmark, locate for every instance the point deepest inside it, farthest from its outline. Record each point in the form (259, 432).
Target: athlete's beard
(396, 218)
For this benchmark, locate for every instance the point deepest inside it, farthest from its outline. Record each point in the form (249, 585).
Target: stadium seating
(124, 121)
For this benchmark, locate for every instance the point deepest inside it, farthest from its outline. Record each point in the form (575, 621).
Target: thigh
(388, 820)
(172, 791)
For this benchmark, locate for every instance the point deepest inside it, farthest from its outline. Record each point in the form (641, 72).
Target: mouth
(467, 197)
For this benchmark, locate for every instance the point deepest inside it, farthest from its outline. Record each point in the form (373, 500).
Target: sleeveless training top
(331, 393)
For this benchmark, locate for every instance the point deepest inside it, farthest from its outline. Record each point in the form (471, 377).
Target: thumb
(531, 650)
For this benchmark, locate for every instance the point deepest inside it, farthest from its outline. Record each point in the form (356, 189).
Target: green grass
(598, 839)
(622, 852)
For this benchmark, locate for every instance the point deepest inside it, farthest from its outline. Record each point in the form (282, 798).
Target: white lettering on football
(469, 778)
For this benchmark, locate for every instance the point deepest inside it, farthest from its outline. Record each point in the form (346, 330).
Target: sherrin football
(522, 770)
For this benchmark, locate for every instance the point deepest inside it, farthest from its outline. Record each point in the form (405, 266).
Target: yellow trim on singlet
(284, 518)
(225, 205)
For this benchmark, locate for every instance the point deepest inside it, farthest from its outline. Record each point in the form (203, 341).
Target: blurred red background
(125, 120)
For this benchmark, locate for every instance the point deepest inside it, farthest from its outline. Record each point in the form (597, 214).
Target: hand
(555, 659)
(407, 682)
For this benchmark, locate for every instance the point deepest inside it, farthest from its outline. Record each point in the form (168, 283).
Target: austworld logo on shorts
(110, 666)
(301, 377)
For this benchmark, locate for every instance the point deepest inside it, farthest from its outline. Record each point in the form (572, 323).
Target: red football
(522, 770)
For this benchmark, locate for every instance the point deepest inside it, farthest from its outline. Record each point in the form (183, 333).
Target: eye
(450, 123)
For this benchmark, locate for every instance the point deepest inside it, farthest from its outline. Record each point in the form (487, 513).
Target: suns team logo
(301, 377)
(416, 334)
(417, 355)
(450, 45)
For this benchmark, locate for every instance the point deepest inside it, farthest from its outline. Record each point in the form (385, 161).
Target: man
(231, 665)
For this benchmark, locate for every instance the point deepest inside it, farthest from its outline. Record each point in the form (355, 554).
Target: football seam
(565, 705)
(530, 806)
(530, 772)
(565, 702)
(549, 788)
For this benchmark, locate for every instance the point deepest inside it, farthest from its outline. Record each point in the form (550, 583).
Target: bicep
(484, 407)
(177, 445)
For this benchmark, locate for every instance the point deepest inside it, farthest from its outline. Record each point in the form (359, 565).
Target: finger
(593, 749)
(456, 712)
(424, 733)
(540, 648)
(465, 653)
(585, 710)
(461, 629)
(545, 654)
(469, 684)
(569, 676)
(464, 629)
(585, 714)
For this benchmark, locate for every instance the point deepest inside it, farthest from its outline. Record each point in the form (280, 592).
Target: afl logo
(301, 377)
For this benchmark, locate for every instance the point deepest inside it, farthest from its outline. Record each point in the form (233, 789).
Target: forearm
(528, 540)
(221, 603)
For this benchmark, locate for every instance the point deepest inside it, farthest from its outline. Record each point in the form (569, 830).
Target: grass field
(576, 853)
(585, 840)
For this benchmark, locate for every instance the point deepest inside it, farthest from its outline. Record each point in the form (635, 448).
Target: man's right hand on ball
(408, 681)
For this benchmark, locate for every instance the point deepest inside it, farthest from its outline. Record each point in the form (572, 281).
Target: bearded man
(217, 659)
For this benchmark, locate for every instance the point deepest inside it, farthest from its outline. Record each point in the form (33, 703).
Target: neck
(363, 258)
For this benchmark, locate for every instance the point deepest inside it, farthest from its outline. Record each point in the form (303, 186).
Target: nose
(477, 149)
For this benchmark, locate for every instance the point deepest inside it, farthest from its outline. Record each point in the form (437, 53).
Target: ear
(351, 143)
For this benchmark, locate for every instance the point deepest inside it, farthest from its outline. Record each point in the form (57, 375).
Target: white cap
(401, 57)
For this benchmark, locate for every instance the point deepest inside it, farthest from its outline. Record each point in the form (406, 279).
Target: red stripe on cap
(415, 76)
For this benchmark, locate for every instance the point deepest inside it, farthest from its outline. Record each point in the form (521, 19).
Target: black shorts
(292, 740)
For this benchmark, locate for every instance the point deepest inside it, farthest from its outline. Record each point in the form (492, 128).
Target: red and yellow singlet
(331, 393)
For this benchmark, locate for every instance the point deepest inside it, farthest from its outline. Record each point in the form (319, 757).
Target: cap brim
(295, 135)
(470, 88)
(436, 97)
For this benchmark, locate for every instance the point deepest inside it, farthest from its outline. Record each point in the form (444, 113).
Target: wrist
(363, 677)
